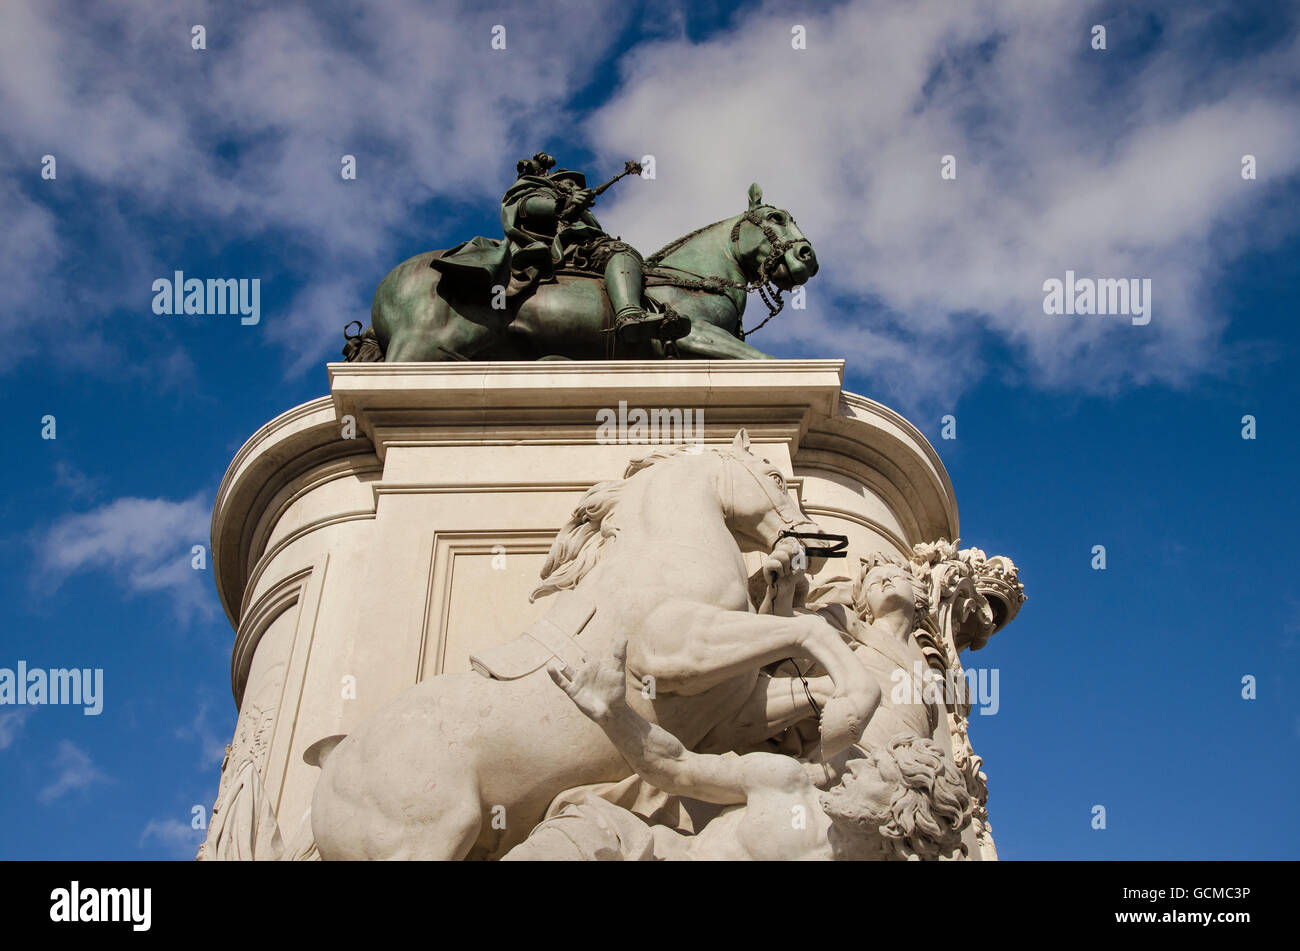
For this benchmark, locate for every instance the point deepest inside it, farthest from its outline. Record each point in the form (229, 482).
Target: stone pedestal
(373, 537)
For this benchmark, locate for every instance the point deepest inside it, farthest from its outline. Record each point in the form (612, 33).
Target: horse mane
(653, 260)
(583, 538)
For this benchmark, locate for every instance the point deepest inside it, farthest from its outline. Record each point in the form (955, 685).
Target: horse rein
(763, 283)
(769, 292)
(836, 547)
(837, 550)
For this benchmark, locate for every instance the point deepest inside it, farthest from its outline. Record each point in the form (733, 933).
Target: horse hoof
(841, 725)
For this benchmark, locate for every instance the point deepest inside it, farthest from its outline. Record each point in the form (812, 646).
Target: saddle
(551, 636)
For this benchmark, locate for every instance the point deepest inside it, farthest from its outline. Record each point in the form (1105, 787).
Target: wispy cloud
(244, 140)
(77, 484)
(178, 838)
(145, 543)
(11, 724)
(212, 744)
(1106, 163)
(74, 770)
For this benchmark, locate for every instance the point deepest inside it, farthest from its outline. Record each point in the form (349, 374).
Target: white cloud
(1065, 159)
(243, 140)
(145, 543)
(28, 245)
(75, 771)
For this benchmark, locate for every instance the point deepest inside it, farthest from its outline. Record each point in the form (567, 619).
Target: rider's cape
(527, 257)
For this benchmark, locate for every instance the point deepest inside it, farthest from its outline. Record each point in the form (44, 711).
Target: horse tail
(318, 752)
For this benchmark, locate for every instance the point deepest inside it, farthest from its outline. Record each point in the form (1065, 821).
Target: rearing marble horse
(656, 556)
(704, 276)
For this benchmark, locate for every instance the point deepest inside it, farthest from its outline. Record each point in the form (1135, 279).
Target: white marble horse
(464, 765)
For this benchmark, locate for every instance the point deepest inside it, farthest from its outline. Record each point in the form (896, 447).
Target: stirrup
(634, 325)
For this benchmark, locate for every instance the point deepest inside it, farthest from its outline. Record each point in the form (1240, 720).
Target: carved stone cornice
(795, 403)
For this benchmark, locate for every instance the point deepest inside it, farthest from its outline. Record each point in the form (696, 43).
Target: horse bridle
(717, 285)
(763, 283)
(836, 545)
(836, 549)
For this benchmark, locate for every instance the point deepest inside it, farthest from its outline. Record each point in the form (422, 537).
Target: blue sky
(1119, 688)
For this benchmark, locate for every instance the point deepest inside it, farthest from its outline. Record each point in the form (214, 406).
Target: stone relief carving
(968, 597)
(242, 825)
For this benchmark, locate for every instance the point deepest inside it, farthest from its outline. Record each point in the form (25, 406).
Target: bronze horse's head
(769, 245)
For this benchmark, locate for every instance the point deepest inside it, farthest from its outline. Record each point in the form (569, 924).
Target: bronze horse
(704, 276)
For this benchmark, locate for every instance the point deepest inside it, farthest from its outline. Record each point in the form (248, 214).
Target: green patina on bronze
(559, 287)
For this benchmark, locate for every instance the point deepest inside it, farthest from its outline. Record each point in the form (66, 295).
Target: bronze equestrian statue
(559, 287)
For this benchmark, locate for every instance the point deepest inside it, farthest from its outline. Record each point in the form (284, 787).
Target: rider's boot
(631, 322)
